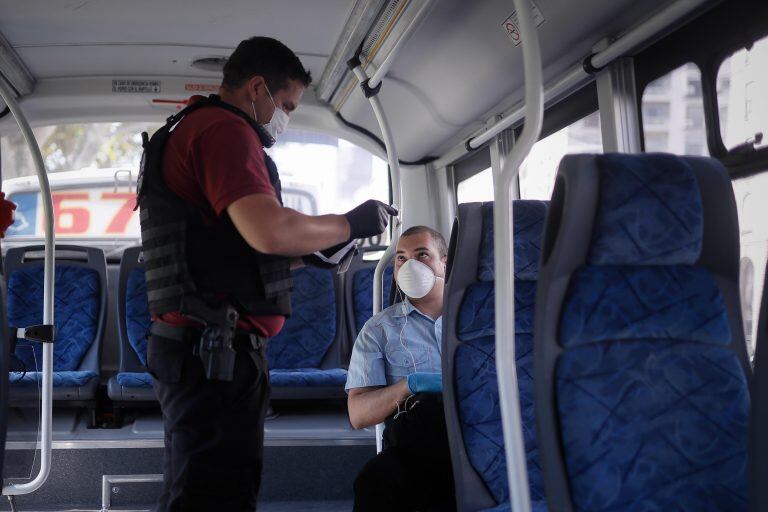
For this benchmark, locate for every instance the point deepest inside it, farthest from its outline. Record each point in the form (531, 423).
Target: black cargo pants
(214, 431)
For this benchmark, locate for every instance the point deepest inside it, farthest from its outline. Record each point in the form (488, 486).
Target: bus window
(537, 173)
(742, 102)
(334, 173)
(94, 167)
(752, 203)
(477, 188)
(323, 174)
(747, 296)
(673, 113)
(75, 147)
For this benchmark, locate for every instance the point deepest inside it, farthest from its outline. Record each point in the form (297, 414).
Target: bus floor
(311, 458)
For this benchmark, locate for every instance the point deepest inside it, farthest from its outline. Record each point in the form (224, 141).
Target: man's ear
(255, 86)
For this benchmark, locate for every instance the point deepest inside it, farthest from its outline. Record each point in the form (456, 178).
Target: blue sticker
(26, 214)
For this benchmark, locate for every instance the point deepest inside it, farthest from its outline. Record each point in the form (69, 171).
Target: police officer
(218, 247)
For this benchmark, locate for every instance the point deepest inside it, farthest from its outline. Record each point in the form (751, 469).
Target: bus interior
(473, 118)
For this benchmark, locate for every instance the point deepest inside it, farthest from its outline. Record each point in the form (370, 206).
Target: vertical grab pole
(394, 177)
(505, 267)
(47, 396)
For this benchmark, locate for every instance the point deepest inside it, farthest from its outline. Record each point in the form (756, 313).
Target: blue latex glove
(425, 383)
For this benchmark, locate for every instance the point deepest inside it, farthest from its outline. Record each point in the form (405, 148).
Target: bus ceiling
(427, 49)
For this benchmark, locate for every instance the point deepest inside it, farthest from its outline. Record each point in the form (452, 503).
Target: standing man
(218, 246)
(395, 376)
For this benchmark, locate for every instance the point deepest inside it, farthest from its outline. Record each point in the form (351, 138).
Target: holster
(215, 347)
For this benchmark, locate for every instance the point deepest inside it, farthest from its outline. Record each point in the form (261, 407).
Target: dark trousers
(214, 431)
(413, 472)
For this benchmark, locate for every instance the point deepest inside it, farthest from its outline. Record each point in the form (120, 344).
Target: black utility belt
(216, 351)
(243, 340)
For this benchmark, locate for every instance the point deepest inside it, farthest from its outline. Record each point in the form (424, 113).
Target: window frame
(576, 106)
(737, 25)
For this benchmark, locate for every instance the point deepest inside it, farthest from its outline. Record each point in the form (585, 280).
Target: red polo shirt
(213, 159)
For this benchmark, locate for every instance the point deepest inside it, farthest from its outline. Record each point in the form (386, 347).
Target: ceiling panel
(69, 61)
(307, 25)
(115, 37)
(462, 64)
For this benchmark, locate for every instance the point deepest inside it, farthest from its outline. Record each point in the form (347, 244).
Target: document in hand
(341, 257)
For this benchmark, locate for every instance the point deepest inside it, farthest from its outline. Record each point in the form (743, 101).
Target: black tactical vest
(184, 255)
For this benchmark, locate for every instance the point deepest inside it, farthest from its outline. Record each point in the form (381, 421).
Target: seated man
(394, 375)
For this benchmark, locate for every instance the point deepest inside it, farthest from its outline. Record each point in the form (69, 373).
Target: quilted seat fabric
(62, 379)
(528, 227)
(362, 291)
(76, 312)
(659, 424)
(653, 404)
(649, 212)
(308, 377)
(134, 379)
(311, 328)
(475, 366)
(137, 317)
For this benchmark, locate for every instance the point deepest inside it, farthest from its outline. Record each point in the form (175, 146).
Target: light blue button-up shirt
(382, 356)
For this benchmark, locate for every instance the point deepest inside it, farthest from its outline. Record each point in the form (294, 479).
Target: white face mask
(416, 279)
(279, 121)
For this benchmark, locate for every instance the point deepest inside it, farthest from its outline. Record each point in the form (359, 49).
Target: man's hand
(369, 219)
(420, 382)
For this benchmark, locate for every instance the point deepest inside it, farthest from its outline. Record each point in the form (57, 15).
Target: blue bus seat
(80, 299)
(473, 413)
(132, 383)
(640, 365)
(305, 357)
(358, 292)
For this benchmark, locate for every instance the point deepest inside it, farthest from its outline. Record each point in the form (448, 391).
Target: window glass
(323, 174)
(673, 113)
(477, 188)
(537, 173)
(93, 168)
(743, 105)
(752, 204)
(93, 171)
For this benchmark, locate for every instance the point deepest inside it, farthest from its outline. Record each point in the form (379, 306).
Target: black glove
(369, 219)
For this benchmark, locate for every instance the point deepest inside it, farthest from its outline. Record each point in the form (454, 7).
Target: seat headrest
(528, 217)
(649, 211)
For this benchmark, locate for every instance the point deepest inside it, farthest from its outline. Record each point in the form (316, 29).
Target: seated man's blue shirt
(381, 356)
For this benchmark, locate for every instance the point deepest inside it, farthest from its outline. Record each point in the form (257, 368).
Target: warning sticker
(136, 86)
(201, 87)
(511, 26)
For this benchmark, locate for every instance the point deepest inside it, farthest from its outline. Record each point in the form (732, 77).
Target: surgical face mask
(279, 121)
(416, 279)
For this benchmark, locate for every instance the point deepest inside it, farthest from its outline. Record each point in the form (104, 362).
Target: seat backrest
(312, 335)
(133, 317)
(358, 290)
(80, 300)
(472, 406)
(641, 372)
(759, 413)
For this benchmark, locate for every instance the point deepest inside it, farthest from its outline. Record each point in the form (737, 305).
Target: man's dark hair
(442, 247)
(265, 57)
